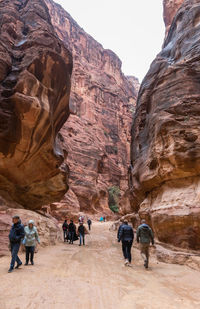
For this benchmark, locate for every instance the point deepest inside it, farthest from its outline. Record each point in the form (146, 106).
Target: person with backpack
(72, 231)
(81, 232)
(15, 237)
(31, 236)
(126, 236)
(65, 230)
(89, 222)
(144, 237)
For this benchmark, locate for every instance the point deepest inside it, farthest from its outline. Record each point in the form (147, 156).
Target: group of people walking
(70, 234)
(144, 236)
(28, 236)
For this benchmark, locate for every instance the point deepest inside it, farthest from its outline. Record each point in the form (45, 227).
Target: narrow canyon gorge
(72, 135)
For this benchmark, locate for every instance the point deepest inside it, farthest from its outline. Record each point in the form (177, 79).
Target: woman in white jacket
(31, 236)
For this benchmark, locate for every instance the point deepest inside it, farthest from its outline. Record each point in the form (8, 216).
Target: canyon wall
(97, 133)
(35, 81)
(165, 151)
(170, 8)
(35, 71)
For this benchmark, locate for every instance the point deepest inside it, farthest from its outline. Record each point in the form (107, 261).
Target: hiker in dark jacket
(81, 232)
(144, 237)
(72, 231)
(126, 235)
(65, 230)
(89, 222)
(15, 236)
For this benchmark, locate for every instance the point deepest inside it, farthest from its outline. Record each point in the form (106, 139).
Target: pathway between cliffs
(93, 277)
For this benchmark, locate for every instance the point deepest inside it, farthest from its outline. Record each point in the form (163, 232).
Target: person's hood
(144, 226)
(30, 222)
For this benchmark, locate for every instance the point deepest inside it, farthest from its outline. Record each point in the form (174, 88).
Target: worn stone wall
(165, 151)
(97, 133)
(35, 71)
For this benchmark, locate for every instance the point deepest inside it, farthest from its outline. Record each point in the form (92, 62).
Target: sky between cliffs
(133, 29)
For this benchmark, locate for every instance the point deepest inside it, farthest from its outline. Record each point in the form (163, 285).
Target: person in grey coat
(31, 236)
(144, 237)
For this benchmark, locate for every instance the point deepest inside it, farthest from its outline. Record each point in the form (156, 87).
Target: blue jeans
(71, 237)
(126, 248)
(14, 252)
(82, 237)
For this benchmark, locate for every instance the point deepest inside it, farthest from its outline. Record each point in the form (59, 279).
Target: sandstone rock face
(35, 70)
(170, 8)
(165, 151)
(97, 133)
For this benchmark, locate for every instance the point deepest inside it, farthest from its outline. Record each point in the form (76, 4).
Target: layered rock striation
(97, 133)
(170, 8)
(165, 151)
(35, 72)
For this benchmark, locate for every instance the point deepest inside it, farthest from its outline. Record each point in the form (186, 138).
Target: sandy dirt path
(94, 277)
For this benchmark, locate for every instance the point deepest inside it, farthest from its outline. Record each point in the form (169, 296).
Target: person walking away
(126, 235)
(65, 230)
(104, 219)
(15, 236)
(89, 222)
(144, 237)
(81, 232)
(31, 236)
(72, 231)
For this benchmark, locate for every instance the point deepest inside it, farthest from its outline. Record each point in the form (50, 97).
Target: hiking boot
(26, 264)
(10, 270)
(18, 265)
(126, 262)
(32, 263)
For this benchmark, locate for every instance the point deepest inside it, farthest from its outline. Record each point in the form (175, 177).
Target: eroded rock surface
(170, 8)
(97, 134)
(35, 71)
(165, 149)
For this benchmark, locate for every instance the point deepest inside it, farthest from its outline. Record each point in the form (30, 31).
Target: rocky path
(93, 277)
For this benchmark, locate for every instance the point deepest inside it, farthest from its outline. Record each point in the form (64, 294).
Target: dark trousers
(29, 253)
(14, 253)
(82, 237)
(71, 237)
(89, 226)
(126, 248)
(64, 234)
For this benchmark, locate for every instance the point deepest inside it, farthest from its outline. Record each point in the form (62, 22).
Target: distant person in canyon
(89, 222)
(65, 230)
(15, 237)
(72, 231)
(144, 237)
(126, 236)
(104, 219)
(31, 236)
(81, 232)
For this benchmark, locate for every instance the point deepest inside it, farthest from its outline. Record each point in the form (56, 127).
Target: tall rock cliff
(170, 8)
(165, 151)
(97, 133)
(35, 71)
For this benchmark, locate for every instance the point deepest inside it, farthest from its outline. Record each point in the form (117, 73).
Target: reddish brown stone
(97, 133)
(170, 8)
(35, 70)
(165, 151)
